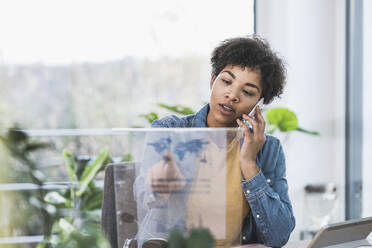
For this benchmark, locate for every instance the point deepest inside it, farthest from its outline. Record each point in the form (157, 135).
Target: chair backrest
(118, 200)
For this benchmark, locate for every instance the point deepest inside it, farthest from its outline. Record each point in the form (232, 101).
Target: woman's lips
(225, 110)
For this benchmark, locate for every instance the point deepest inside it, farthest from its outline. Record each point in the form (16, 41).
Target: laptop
(348, 234)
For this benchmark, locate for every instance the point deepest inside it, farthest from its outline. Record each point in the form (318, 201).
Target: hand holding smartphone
(253, 113)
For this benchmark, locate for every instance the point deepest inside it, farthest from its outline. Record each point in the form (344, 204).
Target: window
(85, 64)
(100, 64)
(367, 108)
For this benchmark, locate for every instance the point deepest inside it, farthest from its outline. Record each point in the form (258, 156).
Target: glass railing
(174, 178)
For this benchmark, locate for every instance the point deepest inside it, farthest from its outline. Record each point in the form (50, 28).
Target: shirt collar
(200, 119)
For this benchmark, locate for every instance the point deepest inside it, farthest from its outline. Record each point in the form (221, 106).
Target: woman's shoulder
(272, 141)
(173, 121)
(272, 145)
(197, 119)
(271, 153)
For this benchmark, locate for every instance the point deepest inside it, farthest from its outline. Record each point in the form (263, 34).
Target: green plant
(284, 120)
(198, 238)
(83, 191)
(127, 157)
(78, 233)
(83, 200)
(21, 148)
(150, 117)
(178, 109)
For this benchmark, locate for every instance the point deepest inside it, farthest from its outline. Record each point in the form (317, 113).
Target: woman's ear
(212, 81)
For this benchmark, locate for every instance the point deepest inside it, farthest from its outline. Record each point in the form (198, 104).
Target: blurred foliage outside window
(67, 216)
(89, 72)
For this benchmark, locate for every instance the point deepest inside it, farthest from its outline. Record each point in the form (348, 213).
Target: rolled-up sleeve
(271, 209)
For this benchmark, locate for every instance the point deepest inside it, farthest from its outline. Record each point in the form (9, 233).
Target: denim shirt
(270, 220)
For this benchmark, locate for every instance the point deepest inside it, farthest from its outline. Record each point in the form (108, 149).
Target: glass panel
(181, 182)
(18, 189)
(193, 191)
(367, 109)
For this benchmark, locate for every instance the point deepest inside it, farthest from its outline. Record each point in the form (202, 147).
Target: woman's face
(235, 91)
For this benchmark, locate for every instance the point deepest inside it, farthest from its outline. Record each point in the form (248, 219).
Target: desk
(290, 244)
(297, 244)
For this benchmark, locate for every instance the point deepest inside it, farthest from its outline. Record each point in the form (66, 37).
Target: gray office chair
(119, 176)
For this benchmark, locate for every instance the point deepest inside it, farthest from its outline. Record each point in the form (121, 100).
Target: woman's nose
(232, 95)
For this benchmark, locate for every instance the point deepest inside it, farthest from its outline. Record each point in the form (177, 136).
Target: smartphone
(253, 113)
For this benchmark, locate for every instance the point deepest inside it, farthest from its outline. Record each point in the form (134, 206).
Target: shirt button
(258, 216)
(243, 237)
(268, 180)
(248, 191)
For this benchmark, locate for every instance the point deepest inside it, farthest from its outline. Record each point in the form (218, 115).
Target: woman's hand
(253, 142)
(165, 177)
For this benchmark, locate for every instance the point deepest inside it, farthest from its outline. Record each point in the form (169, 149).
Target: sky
(75, 31)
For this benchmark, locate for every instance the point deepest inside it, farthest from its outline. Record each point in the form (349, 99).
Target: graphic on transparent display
(182, 182)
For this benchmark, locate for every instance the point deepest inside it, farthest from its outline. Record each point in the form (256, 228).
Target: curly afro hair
(256, 54)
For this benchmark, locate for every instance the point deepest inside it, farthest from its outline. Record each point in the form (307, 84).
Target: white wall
(310, 35)
(367, 109)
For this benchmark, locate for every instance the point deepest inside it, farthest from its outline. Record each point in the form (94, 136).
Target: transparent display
(185, 179)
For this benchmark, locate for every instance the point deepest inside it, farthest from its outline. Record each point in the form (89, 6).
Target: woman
(244, 70)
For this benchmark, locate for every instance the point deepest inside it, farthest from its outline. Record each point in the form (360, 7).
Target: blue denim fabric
(271, 218)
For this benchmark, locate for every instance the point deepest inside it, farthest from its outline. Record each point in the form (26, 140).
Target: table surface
(297, 244)
(290, 244)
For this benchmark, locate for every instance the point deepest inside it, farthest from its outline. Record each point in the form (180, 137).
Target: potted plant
(279, 119)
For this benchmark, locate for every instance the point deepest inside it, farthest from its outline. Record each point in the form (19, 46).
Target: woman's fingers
(253, 123)
(241, 124)
(260, 119)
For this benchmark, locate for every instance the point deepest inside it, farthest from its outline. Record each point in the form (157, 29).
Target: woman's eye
(226, 82)
(247, 93)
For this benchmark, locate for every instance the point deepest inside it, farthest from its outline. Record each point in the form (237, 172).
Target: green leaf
(70, 166)
(93, 200)
(137, 126)
(127, 157)
(176, 239)
(36, 146)
(150, 117)
(200, 238)
(37, 176)
(282, 118)
(65, 229)
(66, 226)
(89, 235)
(178, 109)
(15, 136)
(81, 163)
(56, 228)
(93, 216)
(107, 161)
(42, 205)
(55, 199)
(91, 171)
(271, 129)
(42, 244)
(307, 131)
